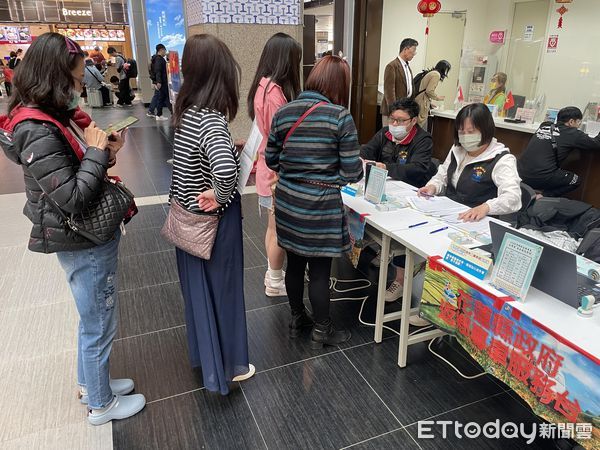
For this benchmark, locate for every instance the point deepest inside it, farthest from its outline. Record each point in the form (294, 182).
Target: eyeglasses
(399, 121)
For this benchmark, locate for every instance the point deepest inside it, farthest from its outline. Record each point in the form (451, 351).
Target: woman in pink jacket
(277, 81)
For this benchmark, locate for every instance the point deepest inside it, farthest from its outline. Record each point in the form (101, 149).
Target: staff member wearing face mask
(479, 171)
(403, 147)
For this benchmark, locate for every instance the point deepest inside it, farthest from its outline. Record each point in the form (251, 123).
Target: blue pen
(439, 229)
(417, 224)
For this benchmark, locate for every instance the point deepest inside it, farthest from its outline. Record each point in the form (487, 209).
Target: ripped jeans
(92, 276)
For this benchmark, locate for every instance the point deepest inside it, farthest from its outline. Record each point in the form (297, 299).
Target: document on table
(437, 206)
(248, 156)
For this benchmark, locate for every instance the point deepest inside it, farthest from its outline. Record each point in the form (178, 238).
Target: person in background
(403, 148)
(540, 163)
(9, 72)
(479, 171)
(65, 157)
(313, 146)
(93, 80)
(98, 58)
(398, 78)
(205, 174)
(125, 96)
(158, 75)
(497, 94)
(277, 81)
(426, 89)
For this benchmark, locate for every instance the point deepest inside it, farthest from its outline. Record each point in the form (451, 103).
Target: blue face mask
(74, 103)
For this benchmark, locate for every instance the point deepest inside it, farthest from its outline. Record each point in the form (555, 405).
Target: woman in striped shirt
(205, 173)
(314, 157)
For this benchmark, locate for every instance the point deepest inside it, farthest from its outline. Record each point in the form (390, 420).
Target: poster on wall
(15, 35)
(174, 73)
(552, 43)
(165, 24)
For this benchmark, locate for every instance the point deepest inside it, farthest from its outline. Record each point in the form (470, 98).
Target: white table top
(548, 311)
(499, 121)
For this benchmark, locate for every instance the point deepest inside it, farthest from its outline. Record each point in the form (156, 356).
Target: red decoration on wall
(562, 10)
(428, 8)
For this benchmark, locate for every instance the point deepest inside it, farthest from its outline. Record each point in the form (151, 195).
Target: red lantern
(428, 8)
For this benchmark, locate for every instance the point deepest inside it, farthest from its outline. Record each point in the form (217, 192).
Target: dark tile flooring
(349, 396)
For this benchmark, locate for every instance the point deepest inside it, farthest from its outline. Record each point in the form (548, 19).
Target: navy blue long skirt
(214, 305)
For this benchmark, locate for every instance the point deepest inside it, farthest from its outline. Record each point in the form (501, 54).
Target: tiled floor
(349, 396)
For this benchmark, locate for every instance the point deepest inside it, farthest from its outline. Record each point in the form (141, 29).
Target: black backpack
(151, 69)
(132, 71)
(417, 83)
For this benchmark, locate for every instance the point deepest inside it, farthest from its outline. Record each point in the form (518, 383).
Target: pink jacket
(265, 107)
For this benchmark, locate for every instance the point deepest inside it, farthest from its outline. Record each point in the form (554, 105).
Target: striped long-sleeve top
(321, 154)
(204, 158)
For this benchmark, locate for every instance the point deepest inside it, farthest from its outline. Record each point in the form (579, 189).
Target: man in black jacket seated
(403, 148)
(539, 165)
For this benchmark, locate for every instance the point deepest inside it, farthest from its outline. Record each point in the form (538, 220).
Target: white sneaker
(149, 114)
(118, 386)
(394, 292)
(244, 377)
(418, 321)
(122, 407)
(275, 288)
(161, 118)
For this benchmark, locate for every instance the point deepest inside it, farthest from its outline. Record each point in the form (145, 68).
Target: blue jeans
(92, 276)
(159, 100)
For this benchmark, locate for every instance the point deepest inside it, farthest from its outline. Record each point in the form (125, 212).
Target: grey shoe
(122, 407)
(119, 386)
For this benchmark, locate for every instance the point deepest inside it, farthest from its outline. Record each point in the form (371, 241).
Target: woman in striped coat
(205, 173)
(313, 146)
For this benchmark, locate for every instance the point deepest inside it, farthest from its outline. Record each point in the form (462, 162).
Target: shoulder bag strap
(301, 119)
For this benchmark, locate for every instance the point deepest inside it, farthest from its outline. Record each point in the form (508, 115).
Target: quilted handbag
(101, 218)
(192, 232)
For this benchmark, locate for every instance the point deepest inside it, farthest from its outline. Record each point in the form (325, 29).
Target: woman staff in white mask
(479, 171)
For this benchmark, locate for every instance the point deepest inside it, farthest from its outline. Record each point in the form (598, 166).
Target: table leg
(406, 298)
(381, 287)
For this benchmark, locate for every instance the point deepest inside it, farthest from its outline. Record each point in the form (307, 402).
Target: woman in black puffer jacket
(64, 156)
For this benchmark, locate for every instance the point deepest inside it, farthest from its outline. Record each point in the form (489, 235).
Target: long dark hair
(44, 77)
(280, 61)
(442, 67)
(211, 77)
(331, 78)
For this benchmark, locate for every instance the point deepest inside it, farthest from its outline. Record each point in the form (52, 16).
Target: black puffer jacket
(42, 151)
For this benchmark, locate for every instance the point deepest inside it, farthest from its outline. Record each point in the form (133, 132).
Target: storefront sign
(552, 43)
(558, 380)
(60, 12)
(497, 37)
(87, 34)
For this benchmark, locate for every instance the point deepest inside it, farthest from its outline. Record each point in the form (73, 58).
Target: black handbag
(101, 218)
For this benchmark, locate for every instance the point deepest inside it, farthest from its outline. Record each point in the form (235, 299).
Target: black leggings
(319, 269)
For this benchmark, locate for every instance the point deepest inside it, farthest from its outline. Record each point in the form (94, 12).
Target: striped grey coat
(324, 149)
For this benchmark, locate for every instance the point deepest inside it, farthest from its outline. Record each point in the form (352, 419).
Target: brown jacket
(394, 85)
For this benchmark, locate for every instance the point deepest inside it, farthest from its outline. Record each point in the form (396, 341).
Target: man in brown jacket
(397, 78)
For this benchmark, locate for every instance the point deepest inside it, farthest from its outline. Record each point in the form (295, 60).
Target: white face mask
(398, 131)
(470, 142)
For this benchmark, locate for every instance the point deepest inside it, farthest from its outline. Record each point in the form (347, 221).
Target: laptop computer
(556, 273)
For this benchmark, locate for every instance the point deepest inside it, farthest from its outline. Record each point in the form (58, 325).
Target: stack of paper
(437, 206)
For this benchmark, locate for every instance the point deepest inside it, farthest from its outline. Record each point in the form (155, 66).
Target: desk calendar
(515, 266)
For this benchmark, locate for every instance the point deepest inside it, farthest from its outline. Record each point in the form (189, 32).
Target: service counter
(516, 137)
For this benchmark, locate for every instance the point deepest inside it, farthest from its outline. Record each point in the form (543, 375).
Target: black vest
(475, 184)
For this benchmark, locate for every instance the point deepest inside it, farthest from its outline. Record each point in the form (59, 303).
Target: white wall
(571, 76)
(564, 77)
